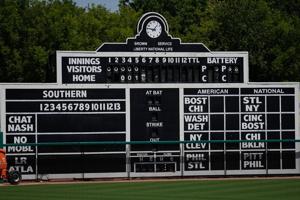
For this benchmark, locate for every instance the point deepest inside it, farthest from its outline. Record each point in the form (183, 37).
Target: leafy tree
(122, 24)
(10, 57)
(50, 26)
(267, 29)
(182, 16)
(254, 26)
(31, 31)
(291, 7)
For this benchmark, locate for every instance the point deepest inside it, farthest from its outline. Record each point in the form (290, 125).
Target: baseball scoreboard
(151, 89)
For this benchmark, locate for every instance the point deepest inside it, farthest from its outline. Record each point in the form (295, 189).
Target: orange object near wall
(3, 164)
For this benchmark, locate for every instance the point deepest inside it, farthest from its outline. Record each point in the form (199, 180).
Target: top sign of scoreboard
(153, 88)
(153, 56)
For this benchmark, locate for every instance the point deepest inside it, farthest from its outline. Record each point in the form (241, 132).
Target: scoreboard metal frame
(151, 88)
(168, 154)
(99, 77)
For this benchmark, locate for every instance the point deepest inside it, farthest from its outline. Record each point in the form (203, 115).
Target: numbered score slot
(220, 74)
(154, 162)
(157, 72)
(124, 74)
(155, 167)
(172, 74)
(144, 74)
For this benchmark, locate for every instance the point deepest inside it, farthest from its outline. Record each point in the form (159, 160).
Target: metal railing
(146, 142)
(83, 150)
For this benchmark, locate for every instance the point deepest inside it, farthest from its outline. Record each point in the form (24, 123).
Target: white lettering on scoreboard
(22, 165)
(247, 114)
(20, 149)
(252, 104)
(20, 124)
(253, 145)
(196, 161)
(253, 160)
(197, 137)
(253, 122)
(140, 69)
(220, 60)
(49, 114)
(83, 69)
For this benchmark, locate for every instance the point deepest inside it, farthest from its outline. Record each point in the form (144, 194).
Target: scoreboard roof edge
(128, 53)
(149, 85)
(275, 83)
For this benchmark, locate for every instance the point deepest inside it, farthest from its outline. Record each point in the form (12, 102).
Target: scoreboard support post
(1, 140)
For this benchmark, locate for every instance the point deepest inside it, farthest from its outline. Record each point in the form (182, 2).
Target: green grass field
(166, 190)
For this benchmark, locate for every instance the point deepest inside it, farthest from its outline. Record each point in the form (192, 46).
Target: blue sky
(109, 4)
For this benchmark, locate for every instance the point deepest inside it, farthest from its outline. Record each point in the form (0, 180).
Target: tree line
(32, 30)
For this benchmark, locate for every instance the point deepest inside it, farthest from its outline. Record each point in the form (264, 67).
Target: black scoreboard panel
(156, 69)
(239, 114)
(135, 113)
(66, 115)
(154, 117)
